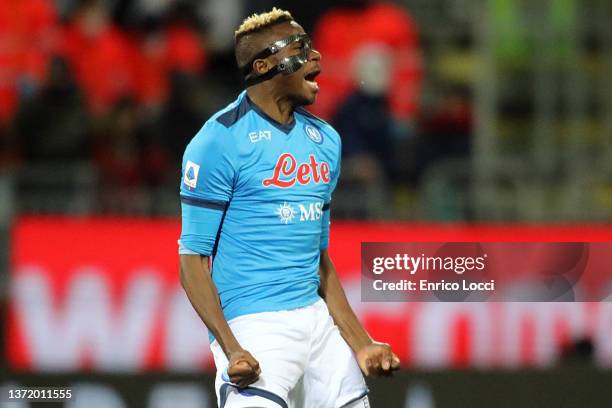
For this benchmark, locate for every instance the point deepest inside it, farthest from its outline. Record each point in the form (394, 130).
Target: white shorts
(304, 361)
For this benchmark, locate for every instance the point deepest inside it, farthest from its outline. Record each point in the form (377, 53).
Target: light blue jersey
(255, 196)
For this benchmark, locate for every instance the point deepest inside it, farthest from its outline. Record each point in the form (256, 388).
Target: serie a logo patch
(190, 178)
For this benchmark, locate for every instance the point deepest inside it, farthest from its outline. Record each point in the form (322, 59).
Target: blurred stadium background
(458, 117)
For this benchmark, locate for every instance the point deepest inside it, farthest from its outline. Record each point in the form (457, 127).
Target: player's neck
(278, 108)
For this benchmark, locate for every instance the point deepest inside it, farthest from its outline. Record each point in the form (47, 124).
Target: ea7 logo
(313, 212)
(262, 134)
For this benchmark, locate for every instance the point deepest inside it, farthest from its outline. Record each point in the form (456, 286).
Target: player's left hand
(377, 359)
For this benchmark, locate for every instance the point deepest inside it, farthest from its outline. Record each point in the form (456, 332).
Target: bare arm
(373, 357)
(202, 293)
(331, 291)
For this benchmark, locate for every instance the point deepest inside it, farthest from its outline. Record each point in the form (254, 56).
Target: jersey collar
(282, 127)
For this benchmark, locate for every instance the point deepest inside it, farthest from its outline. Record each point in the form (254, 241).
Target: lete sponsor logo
(287, 172)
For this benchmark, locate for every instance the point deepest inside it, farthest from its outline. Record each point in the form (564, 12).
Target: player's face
(299, 87)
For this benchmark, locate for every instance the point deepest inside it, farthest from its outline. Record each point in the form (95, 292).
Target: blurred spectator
(342, 31)
(167, 46)
(117, 147)
(101, 55)
(222, 18)
(184, 115)
(151, 69)
(364, 120)
(53, 125)
(446, 131)
(28, 37)
(184, 51)
(128, 159)
(126, 152)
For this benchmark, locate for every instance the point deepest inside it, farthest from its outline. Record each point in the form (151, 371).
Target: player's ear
(261, 66)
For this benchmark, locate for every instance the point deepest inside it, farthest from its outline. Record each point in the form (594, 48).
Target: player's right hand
(243, 369)
(377, 359)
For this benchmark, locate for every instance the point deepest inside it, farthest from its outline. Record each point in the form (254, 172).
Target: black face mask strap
(251, 80)
(247, 68)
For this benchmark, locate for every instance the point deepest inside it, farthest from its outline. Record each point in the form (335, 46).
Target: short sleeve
(208, 166)
(207, 185)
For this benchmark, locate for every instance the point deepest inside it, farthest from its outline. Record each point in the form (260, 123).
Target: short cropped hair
(245, 38)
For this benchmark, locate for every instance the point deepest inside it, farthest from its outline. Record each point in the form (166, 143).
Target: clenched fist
(377, 359)
(242, 368)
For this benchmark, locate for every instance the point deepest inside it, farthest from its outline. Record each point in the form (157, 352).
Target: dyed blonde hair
(258, 22)
(247, 44)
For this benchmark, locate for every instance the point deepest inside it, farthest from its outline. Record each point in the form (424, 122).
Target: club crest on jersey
(190, 178)
(288, 172)
(313, 134)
